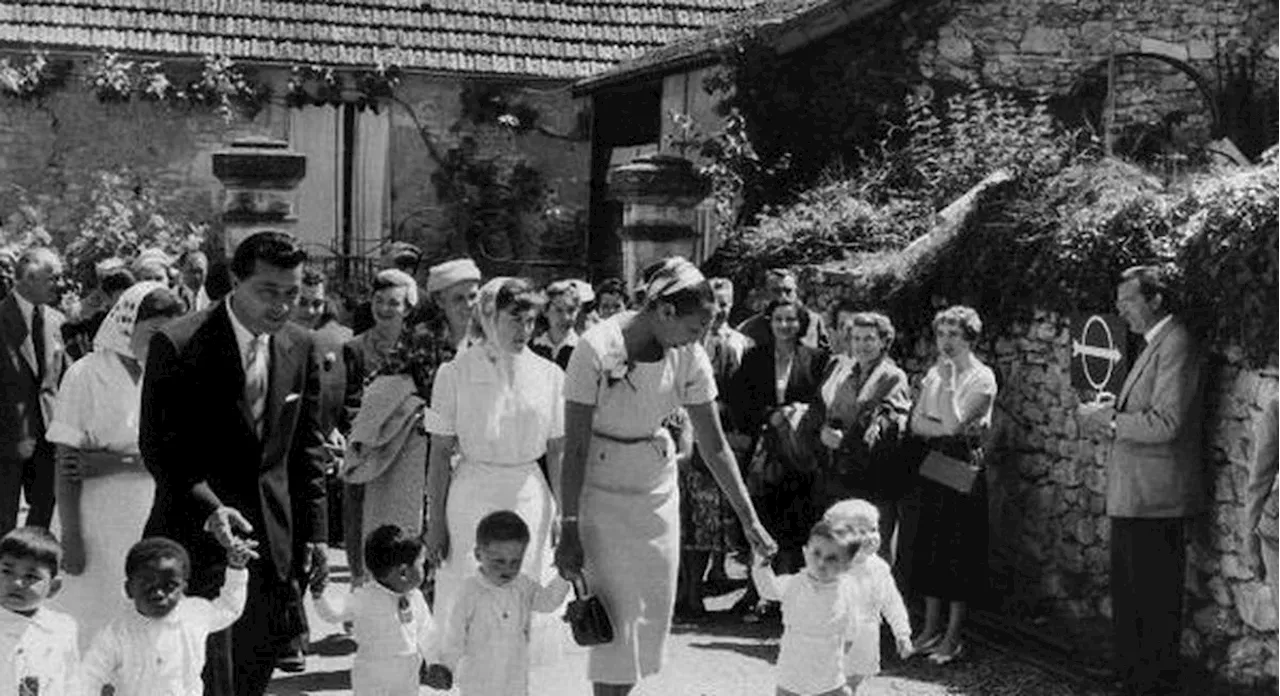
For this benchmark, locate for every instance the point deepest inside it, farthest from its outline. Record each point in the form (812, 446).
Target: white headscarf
(116, 332)
(676, 273)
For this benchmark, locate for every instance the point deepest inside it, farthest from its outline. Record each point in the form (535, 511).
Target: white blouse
(98, 405)
(632, 399)
(140, 656)
(498, 418)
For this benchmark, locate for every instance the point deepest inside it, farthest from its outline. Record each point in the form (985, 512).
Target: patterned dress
(707, 521)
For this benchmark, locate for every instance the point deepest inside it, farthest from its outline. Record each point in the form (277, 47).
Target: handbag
(588, 617)
(956, 474)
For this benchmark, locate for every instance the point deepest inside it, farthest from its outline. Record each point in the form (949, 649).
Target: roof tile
(564, 39)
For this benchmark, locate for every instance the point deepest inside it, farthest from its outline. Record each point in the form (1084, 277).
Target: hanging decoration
(33, 79)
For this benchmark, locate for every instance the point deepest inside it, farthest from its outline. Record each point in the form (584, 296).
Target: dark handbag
(956, 474)
(587, 617)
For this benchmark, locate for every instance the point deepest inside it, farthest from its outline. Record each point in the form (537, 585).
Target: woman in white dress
(104, 493)
(500, 407)
(627, 375)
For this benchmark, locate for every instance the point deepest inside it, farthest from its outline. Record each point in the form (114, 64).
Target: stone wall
(1053, 44)
(1049, 526)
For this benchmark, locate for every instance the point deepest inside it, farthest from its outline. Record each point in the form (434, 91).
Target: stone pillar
(259, 176)
(658, 195)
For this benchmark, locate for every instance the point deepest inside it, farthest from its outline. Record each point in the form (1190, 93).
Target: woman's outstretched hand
(762, 543)
(569, 556)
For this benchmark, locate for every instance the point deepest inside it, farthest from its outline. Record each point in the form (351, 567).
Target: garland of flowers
(34, 79)
(222, 84)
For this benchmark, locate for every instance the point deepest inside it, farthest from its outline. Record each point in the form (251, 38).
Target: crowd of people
(477, 446)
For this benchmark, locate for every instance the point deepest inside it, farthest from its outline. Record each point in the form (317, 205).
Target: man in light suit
(1154, 482)
(230, 429)
(30, 369)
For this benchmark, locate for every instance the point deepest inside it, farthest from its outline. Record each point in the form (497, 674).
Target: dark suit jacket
(26, 402)
(1155, 467)
(752, 392)
(197, 439)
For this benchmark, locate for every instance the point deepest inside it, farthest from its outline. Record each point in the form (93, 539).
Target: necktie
(255, 380)
(37, 340)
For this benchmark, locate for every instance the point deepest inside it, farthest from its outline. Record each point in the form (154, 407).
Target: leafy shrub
(115, 214)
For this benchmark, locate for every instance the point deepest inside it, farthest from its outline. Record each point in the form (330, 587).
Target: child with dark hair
(486, 635)
(819, 610)
(38, 650)
(390, 619)
(159, 646)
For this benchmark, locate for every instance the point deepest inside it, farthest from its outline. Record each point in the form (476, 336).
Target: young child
(38, 649)
(486, 637)
(158, 648)
(817, 613)
(872, 593)
(390, 619)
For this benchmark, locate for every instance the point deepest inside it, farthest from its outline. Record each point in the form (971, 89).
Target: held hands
(1095, 419)
(239, 553)
(762, 543)
(224, 523)
(316, 564)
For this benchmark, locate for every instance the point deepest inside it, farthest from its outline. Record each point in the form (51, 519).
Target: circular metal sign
(1097, 351)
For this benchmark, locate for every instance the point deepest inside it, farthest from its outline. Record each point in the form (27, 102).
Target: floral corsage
(617, 369)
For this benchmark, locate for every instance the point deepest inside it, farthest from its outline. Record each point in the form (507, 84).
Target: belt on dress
(627, 440)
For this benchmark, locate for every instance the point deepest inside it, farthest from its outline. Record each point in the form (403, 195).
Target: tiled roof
(788, 23)
(565, 39)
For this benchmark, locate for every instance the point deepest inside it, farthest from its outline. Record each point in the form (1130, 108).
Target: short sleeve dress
(503, 413)
(629, 516)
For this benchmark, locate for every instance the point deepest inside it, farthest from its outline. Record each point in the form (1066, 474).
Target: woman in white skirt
(104, 493)
(619, 497)
(499, 407)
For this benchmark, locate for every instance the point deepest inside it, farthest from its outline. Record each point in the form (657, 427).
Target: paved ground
(720, 656)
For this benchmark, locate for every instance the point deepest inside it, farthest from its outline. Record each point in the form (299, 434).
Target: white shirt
(817, 619)
(244, 337)
(486, 635)
(98, 405)
(373, 609)
(40, 648)
(202, 299)
(140, 656)
(498, 418)
(1155, 328)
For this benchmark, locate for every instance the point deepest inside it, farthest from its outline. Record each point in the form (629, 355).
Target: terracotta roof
(789, 24)
(566, 39)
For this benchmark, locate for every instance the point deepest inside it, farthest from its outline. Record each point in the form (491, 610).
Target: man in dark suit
(230, 431)
(1155, 475)
(30, 371)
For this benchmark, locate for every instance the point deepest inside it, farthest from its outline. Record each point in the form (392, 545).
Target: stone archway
(1089, 93)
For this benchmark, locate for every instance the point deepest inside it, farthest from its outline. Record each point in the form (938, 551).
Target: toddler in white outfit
(390, 620)
(39, 653)
(158, 648)
(873, 595)
(486, 635)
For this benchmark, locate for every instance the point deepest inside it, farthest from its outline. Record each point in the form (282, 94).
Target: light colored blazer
(1155, 468)
(1261, 500)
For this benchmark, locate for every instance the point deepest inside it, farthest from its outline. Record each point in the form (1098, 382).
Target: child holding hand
(872, 593)
(486, 635)
(390, 619)
(817, 613)
(159, 646)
